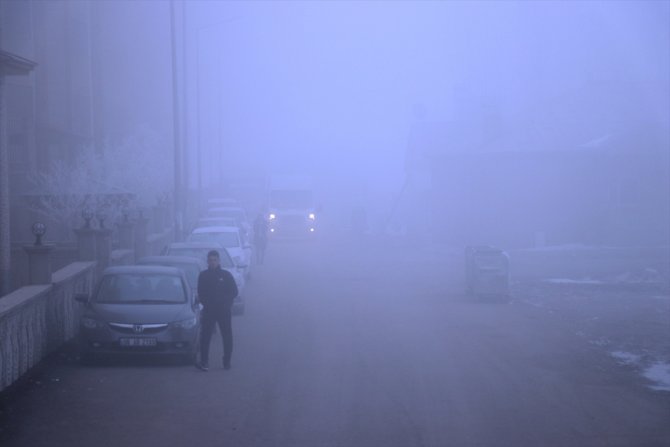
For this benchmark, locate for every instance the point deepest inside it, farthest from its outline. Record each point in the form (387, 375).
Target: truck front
(292, 213)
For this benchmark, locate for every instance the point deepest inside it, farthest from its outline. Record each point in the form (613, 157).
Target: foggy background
(334, 90)
(364, 98)
(486, 260)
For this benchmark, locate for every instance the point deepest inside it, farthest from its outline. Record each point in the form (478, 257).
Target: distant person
(216, 292)
(260, 237)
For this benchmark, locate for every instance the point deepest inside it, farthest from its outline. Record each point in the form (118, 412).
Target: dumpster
(486, 271)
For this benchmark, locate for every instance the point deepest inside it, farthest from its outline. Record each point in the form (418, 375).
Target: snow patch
(659, 373)
(626, 358)
(573, 281)
(565, 247)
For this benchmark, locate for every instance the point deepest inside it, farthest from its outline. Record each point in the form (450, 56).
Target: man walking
(216, 292)
(260, 238)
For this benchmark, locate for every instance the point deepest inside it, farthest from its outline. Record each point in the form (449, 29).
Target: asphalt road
(353, 347)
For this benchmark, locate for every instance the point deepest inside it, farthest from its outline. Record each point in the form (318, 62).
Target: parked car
(191, 266)
(216, 221)
(487, 272)
(199, 250)
(233, 212)
(193, 249)
(231, 238)
(140, 310)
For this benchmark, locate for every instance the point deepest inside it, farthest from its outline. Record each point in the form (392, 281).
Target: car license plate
(138, 342)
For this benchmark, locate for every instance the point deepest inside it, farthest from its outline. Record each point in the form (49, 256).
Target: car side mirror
(81, 297)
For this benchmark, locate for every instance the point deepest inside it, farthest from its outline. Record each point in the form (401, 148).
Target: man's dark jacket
(216, 287)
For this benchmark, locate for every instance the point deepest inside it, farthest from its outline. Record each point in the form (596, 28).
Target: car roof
(196, 245)
(121, 269)
(229, 219)
(163, 260)
(227, 208)
(216, 229)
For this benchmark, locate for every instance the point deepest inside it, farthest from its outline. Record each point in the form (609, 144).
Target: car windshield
(227, 238)
(190, 270)
(222, 221)
(201, 253)
(137, 288)
(491, 261)
(291, 199)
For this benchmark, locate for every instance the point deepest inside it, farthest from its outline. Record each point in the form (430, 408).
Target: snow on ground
(644, 276)
(626, 358)
(564, 247)
(572, 281)
(657, 372)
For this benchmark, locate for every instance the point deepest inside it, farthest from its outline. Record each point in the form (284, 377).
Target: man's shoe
(226, 365)
(202, 366)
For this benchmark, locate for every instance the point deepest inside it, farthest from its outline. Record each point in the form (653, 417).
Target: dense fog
(426, 223)
(365, 96)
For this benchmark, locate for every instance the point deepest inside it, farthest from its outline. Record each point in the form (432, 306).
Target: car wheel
(87, 358)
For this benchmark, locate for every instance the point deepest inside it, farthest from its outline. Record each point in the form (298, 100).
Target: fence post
(141, 236)
(39, 263)
(86, 244)
(103, 247)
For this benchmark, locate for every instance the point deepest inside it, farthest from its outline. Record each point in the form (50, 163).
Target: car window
(192, 272)
(227, 239)
(226, 260)
(200, 253)
(134, 288)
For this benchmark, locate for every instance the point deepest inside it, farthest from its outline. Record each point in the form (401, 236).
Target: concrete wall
(35, 320)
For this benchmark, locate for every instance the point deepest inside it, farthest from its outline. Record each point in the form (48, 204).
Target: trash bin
(486, 271)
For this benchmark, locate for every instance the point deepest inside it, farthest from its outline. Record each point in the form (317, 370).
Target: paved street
(354, 347)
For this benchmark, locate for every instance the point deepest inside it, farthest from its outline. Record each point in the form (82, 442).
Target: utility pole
(178, 202)
(184, 94)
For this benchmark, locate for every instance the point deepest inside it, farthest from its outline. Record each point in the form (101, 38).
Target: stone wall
(36, 320)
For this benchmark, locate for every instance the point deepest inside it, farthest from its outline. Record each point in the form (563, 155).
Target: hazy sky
(333, 85)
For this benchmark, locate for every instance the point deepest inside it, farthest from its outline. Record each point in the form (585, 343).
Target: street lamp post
(178, 210)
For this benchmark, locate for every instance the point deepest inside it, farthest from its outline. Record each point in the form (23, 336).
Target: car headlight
(90, 323)
(273, 216)
(312, 216)
(189, 323)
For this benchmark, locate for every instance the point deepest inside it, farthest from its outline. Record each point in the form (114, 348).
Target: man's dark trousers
(218, 312)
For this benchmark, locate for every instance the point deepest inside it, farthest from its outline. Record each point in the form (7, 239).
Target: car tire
(87, 358)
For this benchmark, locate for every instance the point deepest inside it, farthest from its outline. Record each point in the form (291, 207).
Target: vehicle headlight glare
(273, 216)
(312, 216)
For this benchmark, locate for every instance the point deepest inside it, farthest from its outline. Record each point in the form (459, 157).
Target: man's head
(213, 259)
